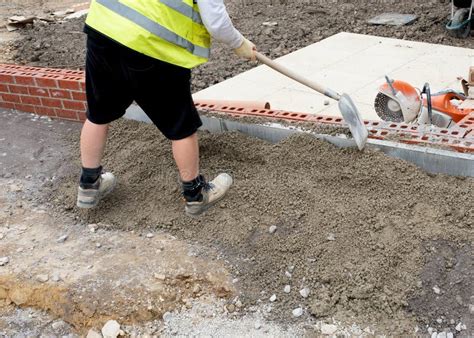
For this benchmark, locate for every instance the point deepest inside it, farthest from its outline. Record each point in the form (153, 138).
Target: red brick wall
(44, 91)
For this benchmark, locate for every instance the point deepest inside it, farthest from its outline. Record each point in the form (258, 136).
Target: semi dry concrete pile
(308, 227)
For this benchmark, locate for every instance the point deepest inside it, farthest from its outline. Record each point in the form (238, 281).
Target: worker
(143, 51)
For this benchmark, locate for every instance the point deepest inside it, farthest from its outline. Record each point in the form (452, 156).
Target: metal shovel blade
(352, 117)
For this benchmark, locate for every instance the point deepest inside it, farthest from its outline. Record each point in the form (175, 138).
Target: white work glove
(246, 50)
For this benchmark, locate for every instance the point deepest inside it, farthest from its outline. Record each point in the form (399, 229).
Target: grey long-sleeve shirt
(217, 21)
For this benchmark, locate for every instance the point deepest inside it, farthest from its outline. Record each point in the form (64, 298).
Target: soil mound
(354, 228)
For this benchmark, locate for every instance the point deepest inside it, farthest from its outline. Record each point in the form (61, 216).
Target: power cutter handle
(297, 77)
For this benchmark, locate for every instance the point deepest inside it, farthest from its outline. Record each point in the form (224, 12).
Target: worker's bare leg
(93, 140)
(94, 184)
(186, 156)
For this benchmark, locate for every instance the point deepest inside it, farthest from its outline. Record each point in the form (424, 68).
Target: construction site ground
(361, 243)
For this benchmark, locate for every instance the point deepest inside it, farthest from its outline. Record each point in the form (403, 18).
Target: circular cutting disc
(388, 109)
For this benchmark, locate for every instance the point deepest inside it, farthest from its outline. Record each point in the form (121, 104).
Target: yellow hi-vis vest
(168, 30)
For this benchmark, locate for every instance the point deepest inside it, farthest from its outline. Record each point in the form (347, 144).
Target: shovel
(347, 107)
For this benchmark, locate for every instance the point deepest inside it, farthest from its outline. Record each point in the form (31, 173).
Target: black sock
(192, 189)
(89, 176)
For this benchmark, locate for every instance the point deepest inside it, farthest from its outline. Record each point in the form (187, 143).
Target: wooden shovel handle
(297, 77)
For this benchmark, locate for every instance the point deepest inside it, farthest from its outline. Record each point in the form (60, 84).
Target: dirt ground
(299, 23)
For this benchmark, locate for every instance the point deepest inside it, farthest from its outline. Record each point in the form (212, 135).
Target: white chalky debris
(160, 276)
(304, 292)
(272, 229)
(328, 329)
(58, 325)
(92, 227)
(62, 239)
(331, 237)
(111, 329)
(273, 298)
(287, 289)
(4, 261)
(298, 312)
(149, 235)
(42, 278)
(93, 334)
(436, 290)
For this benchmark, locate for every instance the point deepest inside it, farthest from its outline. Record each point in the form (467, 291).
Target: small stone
(288, 274)
(56, 278)
(326, 102)
(4, 261)
(159, 276)
(287, 289)
(93, 334)
(258, 326)
(111, 329)
(93, 227)
(434, 334)
(273, 298)
(272, 229)
(298, 312)
(238, 304)
(442, 335)
(436, 290)
(230, 308)
(331, 237)
(196, 289)
(291, 268)
(98, 245)
(62, 239)
(328, 329)
(459, 327)
(471, 308)
(2, 236)
(59, 325)
(42, 278)
(167, 317)
(304, 292)
(430, 330)
(449, 335)
(439, 321)
(149, 235)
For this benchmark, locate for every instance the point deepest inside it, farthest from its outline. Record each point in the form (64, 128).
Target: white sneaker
(90, 197)
(212, 192)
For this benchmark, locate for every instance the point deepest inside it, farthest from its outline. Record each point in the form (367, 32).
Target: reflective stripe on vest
(184, 9)
(154, 27)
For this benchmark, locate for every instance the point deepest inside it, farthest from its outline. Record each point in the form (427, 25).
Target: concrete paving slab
(351, 63)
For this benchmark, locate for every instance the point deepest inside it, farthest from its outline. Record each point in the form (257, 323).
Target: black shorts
(116, 76)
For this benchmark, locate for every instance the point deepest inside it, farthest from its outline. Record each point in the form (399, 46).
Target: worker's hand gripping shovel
(347, 107)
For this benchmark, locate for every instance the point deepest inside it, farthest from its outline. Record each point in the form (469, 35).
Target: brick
(38, 91)
(25, 107)
(6, 78)
(69, 84)
(18, 89)
(11, 98)
(31, 100)
(7, 105)
(76, 105)
(82, 116)
(83, 86)
(47, 111)
(55, 103)
(46, 82)
(79, 96)
(67, 114)
(26, 80)
(4, 88)
(60, 94)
